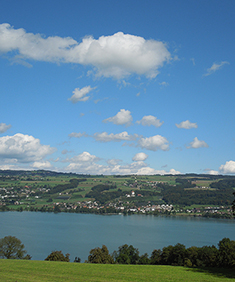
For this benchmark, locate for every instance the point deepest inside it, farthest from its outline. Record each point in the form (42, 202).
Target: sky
(118, 87)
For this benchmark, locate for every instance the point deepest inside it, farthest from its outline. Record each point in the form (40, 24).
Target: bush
(57, 256)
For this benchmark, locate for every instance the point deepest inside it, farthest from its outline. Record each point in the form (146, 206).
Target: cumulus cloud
(4, 127)
(123, 117)
(23, 148)
(186, 125)
(140, 157)
(87, 163)
(151, 171)
(79, 95)
(154, 143)
(228, 167)
(150, 120)
(42, 165)
(83, 163)
(105, 137)
(84, 157)
(195, 144)
(211, 171)
(215, 67)
(117, 56)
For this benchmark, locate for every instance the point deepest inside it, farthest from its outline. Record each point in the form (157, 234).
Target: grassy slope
(35, 271)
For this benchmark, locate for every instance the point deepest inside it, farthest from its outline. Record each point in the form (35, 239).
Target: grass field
(35, 271)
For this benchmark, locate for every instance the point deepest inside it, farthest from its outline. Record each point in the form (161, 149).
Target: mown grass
(35, 271)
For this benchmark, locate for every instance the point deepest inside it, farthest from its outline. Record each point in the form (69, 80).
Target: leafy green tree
(12, 248)
(227, 253)
(144, 259)
(208, 256)
(100, 255)
(174, 255)
(126, 255)
(57, 256)
(166, 255)
(156, 257)
(192, 256)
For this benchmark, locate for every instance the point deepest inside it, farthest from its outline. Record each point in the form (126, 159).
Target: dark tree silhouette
(57, 256)
(12, 248)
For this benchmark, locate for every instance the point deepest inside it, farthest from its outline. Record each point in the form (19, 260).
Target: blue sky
(117, 87)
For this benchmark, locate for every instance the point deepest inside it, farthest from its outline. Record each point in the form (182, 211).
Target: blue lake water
(77, 234)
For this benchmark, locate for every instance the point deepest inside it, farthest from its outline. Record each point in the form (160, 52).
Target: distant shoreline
(127, 214)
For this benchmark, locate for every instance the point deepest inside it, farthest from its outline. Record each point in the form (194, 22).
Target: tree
(100, 255)
(12, 248)
(174, 255)
(77, 259)
(144, 259)
(156, 257)
(57, 256)
(192, 256)
(227, 252)
(126, 255)
(208, 256)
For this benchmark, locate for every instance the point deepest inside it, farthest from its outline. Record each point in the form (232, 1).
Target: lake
(77, 234)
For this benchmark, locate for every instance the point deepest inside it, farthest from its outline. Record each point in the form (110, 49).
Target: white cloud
(151, 171)
(87, 163)
(173, 171)
(140, 157)
(42, 165)
(228, 168)
(84, 157)
(79, 95)
(123, 117)
(164, 83)
(64, 152)
(154, 143)
(193, 61)
(84, 163)
(4, 127)
(195, 144)
(211, 171)
(77, 135)
(215, 67)
(150, 120)
(105, 137)
(114, 162)
(23, 148)
(187, 125)
(117, 56)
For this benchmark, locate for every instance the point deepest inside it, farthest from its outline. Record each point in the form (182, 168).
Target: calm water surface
(77, 234)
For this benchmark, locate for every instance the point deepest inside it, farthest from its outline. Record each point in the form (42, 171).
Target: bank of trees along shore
(222, 256)
(177, 255)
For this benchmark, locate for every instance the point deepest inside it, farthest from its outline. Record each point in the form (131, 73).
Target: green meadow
(40, 271)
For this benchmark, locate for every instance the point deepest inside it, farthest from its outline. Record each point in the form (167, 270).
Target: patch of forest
(179, 195)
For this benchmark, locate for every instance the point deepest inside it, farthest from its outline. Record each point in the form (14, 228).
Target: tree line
(178, 255)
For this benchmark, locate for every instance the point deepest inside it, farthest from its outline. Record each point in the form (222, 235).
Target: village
(26, 199)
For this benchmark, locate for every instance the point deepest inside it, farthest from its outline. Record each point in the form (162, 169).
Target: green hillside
(43, 271)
